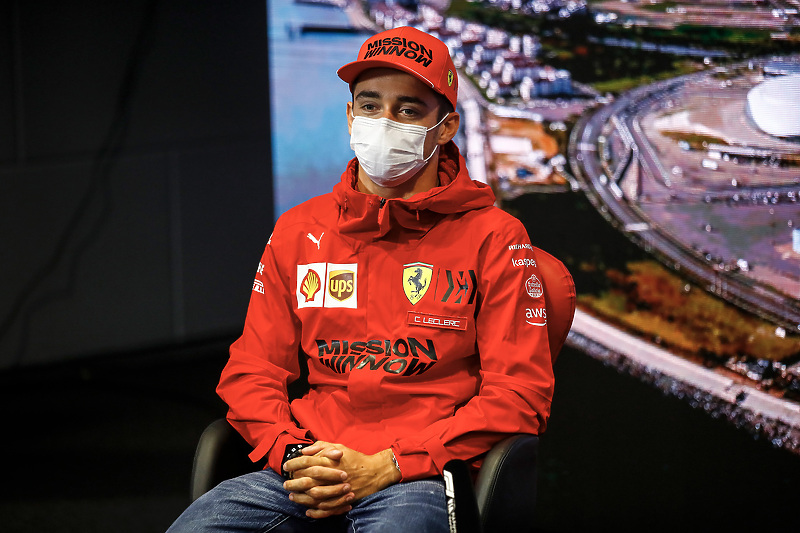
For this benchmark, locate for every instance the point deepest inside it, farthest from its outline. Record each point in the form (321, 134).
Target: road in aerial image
(732, 229)
(686, 169)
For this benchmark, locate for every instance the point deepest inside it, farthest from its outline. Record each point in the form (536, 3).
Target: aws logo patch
(536, 316)
(327, 285)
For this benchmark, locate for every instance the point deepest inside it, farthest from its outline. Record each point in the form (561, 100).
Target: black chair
(505, 484)
(505, 489)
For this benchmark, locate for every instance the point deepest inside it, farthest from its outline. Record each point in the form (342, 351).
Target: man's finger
(307, 461)
(338, 500)
(313, 448)
(319, 474)
(321, 513)
(329, 492)
(331, 453)
(323, 449)
(302, 483)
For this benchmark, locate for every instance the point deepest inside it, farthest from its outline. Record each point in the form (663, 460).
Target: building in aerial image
(773, 105)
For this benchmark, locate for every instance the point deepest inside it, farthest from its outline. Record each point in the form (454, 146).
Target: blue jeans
(257, 503)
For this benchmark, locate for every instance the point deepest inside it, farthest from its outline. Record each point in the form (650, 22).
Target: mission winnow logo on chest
(405, 357)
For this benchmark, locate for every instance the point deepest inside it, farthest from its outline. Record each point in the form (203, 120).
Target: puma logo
(314, 239)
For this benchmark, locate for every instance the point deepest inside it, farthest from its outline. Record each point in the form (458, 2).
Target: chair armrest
(506, 485)
(221, 454)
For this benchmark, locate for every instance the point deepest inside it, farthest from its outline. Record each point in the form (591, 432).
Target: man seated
(416, 305)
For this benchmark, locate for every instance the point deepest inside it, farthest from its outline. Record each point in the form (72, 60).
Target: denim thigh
(258, 503)
(253, 503)
(414, 506)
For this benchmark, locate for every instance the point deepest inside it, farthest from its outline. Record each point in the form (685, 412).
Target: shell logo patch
(310, 285)
(416, 280)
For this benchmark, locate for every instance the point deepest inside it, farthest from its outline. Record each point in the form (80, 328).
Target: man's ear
(350, 118)
(449, 128)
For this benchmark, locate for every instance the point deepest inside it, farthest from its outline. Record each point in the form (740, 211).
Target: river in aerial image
(618, 454)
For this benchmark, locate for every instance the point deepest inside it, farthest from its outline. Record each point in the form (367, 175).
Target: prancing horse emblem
(416, 280)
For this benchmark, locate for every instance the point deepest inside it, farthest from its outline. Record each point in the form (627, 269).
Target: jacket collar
(366, 217)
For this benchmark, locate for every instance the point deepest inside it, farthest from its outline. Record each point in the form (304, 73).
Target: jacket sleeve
(262, 362)
(516, 373)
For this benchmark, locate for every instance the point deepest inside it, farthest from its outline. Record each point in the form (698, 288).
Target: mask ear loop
(438, 123)
(437, 144)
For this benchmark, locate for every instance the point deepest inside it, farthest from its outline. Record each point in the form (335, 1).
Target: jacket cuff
(274, 449)
(422, 461)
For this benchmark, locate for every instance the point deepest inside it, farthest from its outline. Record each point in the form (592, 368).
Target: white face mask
(388, 151)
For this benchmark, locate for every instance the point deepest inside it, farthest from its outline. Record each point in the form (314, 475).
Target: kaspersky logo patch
(416, 280)
(327, 285)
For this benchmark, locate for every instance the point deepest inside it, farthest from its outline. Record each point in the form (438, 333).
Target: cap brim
(351, 71)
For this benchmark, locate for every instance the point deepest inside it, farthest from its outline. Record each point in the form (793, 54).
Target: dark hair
(445, 106)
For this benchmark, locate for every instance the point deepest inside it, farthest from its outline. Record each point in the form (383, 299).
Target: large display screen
(652, 146)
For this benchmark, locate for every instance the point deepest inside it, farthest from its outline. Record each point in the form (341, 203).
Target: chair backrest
(559, 297)
(505, 489)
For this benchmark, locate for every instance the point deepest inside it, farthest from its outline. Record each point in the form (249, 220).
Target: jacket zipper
(380, 210)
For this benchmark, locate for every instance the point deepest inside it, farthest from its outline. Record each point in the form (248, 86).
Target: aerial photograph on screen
(653, 146)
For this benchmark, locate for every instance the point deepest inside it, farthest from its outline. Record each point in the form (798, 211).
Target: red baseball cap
(412, 51)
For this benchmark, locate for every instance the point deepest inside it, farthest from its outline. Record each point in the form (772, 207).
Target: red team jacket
(422, 322)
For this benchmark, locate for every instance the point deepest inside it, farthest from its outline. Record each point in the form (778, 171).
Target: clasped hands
(328, 477)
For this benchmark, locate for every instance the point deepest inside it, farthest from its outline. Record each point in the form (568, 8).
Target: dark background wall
(135, 187)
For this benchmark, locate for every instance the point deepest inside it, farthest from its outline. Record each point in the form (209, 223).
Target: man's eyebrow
(367, 94)
(412, 100)
(403, 99)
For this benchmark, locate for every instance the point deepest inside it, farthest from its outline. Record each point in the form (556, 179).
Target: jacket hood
(364, 216)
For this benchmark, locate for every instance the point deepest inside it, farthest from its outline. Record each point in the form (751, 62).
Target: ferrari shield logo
(416, 280)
